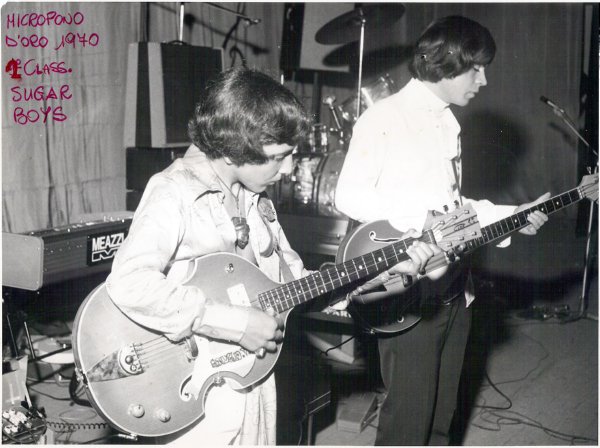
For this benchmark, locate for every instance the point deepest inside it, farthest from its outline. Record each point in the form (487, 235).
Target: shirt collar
(425, 97)
(203, 178)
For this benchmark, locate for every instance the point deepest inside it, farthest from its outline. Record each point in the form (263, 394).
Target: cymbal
(346, 28)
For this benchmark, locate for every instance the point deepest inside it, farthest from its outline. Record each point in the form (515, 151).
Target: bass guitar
(141, 382)
(386, 312)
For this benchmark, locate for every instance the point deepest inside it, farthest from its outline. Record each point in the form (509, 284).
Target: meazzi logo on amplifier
(102, 247)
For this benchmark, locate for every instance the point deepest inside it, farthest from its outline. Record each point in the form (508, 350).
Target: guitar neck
(307, 288)
(504, 227)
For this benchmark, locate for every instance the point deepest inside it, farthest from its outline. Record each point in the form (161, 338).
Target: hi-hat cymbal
(346, 28)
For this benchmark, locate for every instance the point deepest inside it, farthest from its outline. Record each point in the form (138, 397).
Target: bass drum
(329, 173)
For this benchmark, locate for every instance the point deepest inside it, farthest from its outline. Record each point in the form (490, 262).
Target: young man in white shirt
(403, 161)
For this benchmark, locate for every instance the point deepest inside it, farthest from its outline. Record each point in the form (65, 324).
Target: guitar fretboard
(506, 226)
(306, 288)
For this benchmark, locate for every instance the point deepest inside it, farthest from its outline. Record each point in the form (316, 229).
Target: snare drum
(381, 88)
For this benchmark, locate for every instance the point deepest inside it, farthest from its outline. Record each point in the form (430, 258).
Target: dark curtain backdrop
(515, 148)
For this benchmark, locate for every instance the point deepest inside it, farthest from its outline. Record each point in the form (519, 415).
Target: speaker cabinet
(164, 83)
(299, 49)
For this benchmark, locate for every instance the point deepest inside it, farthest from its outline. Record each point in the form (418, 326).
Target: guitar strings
(279, 297)
(149, 351)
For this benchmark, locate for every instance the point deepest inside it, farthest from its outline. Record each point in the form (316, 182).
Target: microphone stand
(248, 20)
(583, 302)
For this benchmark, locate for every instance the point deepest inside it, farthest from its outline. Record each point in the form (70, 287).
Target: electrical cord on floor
(37, 391)
(503, 415)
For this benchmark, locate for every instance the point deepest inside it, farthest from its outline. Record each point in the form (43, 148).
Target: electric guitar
(392, 310)
(141, 382)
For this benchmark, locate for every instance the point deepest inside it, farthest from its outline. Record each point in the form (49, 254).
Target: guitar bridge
(119, 364)
(129, 360)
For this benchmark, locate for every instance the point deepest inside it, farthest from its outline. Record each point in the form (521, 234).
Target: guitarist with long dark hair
(213, 200)
(403, 161)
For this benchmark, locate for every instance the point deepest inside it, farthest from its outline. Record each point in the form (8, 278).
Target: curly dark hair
(450, 47)
(243, 110)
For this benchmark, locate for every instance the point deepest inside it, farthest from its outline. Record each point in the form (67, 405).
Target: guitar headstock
(455, 228)
(589, 186)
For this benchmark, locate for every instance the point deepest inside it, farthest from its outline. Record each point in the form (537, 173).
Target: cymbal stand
(360, 62)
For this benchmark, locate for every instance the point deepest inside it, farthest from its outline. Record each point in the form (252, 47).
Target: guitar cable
(74, 391)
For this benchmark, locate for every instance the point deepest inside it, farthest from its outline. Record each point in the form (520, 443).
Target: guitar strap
(284, 269)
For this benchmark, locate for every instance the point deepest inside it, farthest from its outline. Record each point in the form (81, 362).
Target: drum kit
(311, 187)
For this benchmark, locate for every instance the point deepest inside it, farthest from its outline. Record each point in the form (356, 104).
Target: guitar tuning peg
(446, 208)
(456, 202)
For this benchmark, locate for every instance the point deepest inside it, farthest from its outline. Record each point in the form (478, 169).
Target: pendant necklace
(242, 229)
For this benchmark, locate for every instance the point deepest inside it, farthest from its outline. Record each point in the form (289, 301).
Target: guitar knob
(136, 410)
(163, 415)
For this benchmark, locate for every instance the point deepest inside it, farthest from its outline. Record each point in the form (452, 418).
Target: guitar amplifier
(38, 258)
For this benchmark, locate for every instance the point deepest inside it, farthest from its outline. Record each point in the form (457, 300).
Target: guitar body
(379, 311)
(397, 307)
(139, 381)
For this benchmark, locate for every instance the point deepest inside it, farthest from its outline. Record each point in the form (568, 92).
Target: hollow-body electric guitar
(384, 312)
(141, 382)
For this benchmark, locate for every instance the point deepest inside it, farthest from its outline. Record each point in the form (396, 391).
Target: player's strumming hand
(264, 330)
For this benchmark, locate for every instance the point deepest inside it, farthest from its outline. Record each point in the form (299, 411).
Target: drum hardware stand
(360, 60)
(583, 299)
(329, 102)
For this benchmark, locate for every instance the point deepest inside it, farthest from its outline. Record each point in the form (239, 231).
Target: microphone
(548, 102)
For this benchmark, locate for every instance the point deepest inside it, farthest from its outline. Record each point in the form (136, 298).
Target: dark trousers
(421, 371)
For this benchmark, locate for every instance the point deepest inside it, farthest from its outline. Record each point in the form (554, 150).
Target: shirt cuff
(225, 322)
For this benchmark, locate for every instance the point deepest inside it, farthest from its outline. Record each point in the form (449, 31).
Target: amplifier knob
(136, 410)
(163, 415)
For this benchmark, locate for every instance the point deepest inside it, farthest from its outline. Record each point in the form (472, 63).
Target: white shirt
(400, 162)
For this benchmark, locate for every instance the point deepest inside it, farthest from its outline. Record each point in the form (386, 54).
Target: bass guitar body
(378, 311)
(139, 380)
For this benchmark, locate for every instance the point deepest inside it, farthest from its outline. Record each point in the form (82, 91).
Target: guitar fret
(323, 289)
(308, 292)
(357, 268)
(503, 228)
(367, 264)
(327, 271)
(342, 275)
